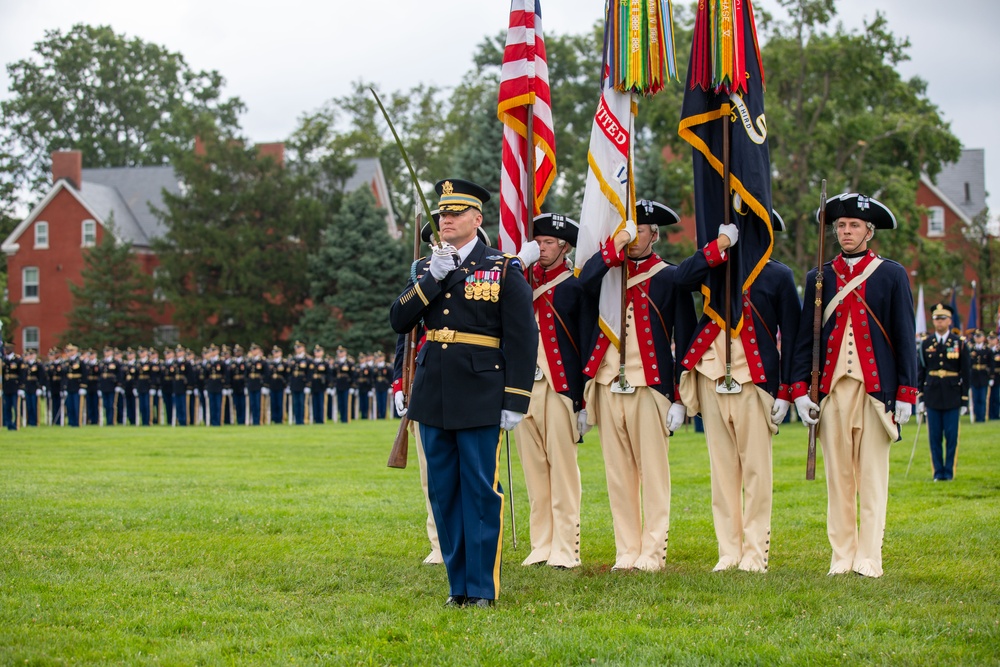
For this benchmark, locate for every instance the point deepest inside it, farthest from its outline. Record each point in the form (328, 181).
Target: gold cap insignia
(447, 188)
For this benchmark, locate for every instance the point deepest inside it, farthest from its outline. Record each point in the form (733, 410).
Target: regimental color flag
(524, 82)
(606, 196)
(726, 79)
(973, 321)
(921, 322)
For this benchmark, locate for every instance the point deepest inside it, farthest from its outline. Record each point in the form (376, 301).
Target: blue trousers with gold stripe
(463, 484)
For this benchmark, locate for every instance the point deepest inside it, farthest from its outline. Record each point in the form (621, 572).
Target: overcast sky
(286, 58)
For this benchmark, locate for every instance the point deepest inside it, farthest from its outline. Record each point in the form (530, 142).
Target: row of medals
(482, 291)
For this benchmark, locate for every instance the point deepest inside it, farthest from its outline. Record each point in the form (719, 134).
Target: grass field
(296, 545)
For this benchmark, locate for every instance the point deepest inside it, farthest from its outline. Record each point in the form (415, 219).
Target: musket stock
(401, 445)
(817, 333)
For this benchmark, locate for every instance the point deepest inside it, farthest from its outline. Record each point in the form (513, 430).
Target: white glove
(352, 391)
(308, 390)
(732, 231)
(152, 393)
(227, 392)
(288, 390)
(135, 392)
(903, 412)
(20, 393)
(38, 392)
(329, 391)
(779, 410)
(529, 253)
(581, 422)
(803, 405)
(444, 260)
(921, 408)
(991, 383)
(187, 392)
(675, 417)
(964, 410)
(159, 392)
(631, 229)
(120, 390)
(397, 398)
(509, 419)
(82, 392)
(265, 391)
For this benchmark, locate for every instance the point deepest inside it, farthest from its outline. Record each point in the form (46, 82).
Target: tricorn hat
(862, 207)
(456, 195)
(649, 212)
(556, 225)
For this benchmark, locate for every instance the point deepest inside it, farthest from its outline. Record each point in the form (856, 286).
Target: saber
(510, 487)
(914, 450)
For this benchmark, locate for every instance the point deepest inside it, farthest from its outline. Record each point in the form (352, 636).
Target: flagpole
(726, 216)
(630, 214)
(530, 166)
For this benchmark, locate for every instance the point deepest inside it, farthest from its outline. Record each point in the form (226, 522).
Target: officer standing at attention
(34, 381)
(740, 419)
(12, 390)
(473, 379)
(635, 425)
(993, 344)
(944, 383)
(298, 382)
(547, 436)
(277, 384)
(319, 376)
(343, 383)
(981, 363)
(869, 381)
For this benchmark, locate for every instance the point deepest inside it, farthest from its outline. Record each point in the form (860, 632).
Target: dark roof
(130, 194)
(965, 177)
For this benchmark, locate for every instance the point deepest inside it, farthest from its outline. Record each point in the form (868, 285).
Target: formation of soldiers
(144, 386)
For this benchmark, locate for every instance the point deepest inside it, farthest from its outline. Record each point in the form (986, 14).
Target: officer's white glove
(188, 392)
(397, 398)
(675, 417)
(39, 392)
(288, 390)
(444, 260)
(965, 410)
(265, 391)
(903, 412)
(20, 393)
(631, 229)
(159, 393)
(329, 391)
(921, 408)
(803, 405)
(308, 391)
(352, 391)
(509, 419)
(779, 410)
(991, 383)
(732, 231)
(135, 392)
(371, 393)
(82, 392)
(153, 393)
(529, 253)
(119, 390)
(581, 422)
(227, 392)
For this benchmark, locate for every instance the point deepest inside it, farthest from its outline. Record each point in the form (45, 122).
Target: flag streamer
(719, 54)
(639, 45)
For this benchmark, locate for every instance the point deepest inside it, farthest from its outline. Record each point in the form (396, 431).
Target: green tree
(355, 274)
(120, 101)
(838, 109)
(232, 262)
(113, 304)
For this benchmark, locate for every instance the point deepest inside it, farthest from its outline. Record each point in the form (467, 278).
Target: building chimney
(67, 165)
(275, 151)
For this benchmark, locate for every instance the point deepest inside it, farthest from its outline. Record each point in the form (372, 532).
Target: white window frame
(935, 221)
(90, 225)
(25, 284)
(31, 338)
(41, 235)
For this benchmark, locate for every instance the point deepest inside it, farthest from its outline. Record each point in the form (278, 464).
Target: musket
(817, 333)
(913, 450)
(400, 445)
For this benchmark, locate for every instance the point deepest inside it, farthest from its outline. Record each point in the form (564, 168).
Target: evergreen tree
(355, 274)
(113, 305)
(232, 262)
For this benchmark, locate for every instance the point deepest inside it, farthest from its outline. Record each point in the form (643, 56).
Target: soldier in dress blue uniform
(319, 378)
(944, 385)
(257, 370)
(994, 402)
(547, 436)
(635, 426)
(981, 364)
(34, 381)
(238, 384)
(144, 388)
(381, 384)
(12, 389)
(215, 382)
(343, 383)
(298, 382)
(167, 371)
(91, 383)
(277, 384)
(183, 382)
(54, 369)
(739, 425)
(74, 389)
(869, 381)
(473, 379)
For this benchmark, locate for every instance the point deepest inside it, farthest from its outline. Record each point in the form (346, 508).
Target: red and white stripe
(524, 81)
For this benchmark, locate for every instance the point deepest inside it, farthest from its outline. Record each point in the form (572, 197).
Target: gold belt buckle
(444, 336)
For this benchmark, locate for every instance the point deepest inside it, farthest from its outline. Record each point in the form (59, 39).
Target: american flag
(524, 81)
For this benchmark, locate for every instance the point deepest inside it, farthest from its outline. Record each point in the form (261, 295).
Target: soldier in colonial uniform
(547, 436)
(343, 381)
(981, 364)
(34, 381)
(944, 384)
(473, 379)
(869, 381)
(318, 382)
(277, 384)
(74, 388)
(298, 382)
(635, 425)
(740, 420)
(13, 392)
(994, 402)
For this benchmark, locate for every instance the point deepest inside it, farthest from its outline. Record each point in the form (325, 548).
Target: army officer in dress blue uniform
(944, 383)
(869, 381)
(473, 378)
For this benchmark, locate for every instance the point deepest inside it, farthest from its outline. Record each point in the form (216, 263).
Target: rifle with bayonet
(400, 445)
(817, 335)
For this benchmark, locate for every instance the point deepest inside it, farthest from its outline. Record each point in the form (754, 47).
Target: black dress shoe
(484, 603)
(455, 601)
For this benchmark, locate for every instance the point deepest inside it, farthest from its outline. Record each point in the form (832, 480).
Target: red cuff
(397, 385)
(784, 393)
(907, 394)
(799, 389)
(608, 254)
(713, 255)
